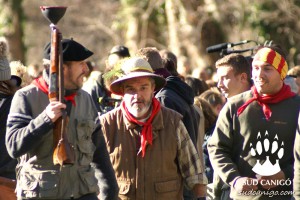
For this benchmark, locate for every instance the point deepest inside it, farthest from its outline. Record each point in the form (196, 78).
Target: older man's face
(138, 94)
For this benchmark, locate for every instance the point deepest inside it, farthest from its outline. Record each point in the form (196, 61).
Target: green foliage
(273, 21)
(7, 10)
(6, 25)
(155, 18)
(114, 72)
(136, 3)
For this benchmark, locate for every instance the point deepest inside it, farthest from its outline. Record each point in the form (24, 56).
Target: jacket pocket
(167, 189)
(85, 145)
(167, 186)
(38, 184)
(88, 183)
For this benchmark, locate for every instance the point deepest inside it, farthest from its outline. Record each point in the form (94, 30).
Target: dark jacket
(7, 164)
(179, 96)
(209, 171)
(101, 96)
(231, 144)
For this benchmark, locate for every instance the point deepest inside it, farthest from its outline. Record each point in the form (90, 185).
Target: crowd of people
(139, 130)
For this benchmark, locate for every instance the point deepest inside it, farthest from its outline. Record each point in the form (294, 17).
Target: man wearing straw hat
(150, 149)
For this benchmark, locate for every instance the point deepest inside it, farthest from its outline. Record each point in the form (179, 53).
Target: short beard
(138, 112)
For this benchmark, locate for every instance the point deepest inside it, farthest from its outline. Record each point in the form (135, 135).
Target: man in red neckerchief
(251, 148)
(150, 149)
(30, 136)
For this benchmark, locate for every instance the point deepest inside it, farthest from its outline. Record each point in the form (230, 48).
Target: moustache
(137, 102)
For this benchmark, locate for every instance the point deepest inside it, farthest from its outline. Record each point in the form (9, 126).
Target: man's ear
(153, 86)
(244, 77)
(218, 108)
(65, 67)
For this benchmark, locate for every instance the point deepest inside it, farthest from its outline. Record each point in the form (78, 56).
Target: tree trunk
(173, 27)
(14, 34)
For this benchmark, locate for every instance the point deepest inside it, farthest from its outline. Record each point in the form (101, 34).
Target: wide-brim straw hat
(135, 67)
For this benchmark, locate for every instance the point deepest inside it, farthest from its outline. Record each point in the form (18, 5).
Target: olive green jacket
(238, 143)
(30, 140)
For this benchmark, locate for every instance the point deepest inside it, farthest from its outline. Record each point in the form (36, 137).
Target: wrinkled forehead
(138, 81)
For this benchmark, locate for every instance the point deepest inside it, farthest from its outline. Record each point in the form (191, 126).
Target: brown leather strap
(10, 183)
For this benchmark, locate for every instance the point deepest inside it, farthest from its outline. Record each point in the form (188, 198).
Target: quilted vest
(155, 176)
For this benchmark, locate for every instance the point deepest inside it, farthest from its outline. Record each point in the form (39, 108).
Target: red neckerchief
(42, 85)
(263, 101)
(146, 134)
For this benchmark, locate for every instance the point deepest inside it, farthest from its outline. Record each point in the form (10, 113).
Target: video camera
(227, 48)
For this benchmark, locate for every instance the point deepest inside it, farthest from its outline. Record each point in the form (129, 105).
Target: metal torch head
(53, 13)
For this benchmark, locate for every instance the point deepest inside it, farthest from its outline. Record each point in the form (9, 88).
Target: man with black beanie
(30, 136)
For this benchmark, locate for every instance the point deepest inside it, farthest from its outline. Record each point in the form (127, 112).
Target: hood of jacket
(181, 88)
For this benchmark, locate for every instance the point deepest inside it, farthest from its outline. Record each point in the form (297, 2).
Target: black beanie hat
(72, 51)
(120, 50)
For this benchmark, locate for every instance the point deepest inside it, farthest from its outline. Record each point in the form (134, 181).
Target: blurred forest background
(186, 27)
